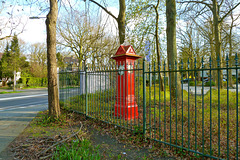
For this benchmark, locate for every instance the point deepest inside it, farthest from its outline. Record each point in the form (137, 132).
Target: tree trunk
(122, 21)
(14, 80)
(172, 48)
(213, 55)
(191, 59)
(53, 97)
(217, 35)
(158, 44)
(231, 60)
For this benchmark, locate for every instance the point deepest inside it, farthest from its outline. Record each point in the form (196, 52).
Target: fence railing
(192, 109)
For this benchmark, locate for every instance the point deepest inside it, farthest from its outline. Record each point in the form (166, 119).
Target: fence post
(86, 93)
(144, 98)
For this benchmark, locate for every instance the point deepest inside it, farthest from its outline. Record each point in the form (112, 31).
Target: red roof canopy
(126, 51)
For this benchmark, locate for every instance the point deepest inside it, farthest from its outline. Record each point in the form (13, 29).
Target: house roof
(70, 60)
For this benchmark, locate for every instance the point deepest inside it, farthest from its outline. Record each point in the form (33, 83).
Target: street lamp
(72, 66)
(35, 17)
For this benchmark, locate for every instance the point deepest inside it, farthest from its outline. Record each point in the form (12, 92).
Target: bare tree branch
(229, 12)
(108, 12)
(201, 2)
(5, 37)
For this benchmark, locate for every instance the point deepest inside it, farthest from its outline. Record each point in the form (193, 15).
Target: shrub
(33, 81)
(225, 84)
(10, 84)
(234, 80)
(20, 81)
(20, 85)
(208, 83)
(192, 83)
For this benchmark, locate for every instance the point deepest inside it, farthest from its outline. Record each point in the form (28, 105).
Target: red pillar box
(125, 105)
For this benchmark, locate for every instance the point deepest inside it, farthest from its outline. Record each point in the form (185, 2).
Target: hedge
(33, 81)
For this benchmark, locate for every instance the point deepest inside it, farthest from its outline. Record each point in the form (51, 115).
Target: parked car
(186, 80)
(208, 79)
(0, 82)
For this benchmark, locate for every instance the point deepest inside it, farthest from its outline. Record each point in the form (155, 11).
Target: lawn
(205, 124)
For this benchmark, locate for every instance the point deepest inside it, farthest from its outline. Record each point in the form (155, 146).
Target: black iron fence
(192, 109)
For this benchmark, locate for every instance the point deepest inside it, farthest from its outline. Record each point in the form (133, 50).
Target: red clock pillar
(125, 105)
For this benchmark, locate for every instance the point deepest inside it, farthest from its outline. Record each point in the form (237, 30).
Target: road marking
(4, 99)
(22, 107)
(25, 104)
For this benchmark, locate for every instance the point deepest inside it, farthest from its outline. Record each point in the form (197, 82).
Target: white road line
(10, 109)
(25, 104)
(4, 99)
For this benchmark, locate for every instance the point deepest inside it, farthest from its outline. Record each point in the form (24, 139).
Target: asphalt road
(206, 89)
(16, 111)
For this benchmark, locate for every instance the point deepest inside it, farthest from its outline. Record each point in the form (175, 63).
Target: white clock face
(121, 69)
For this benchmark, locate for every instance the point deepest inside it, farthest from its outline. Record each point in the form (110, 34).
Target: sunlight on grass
(191, 122)
(9, 92)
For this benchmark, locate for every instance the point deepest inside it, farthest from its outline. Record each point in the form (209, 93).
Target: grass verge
(48, 138)
(6, 92)
(77, 150)
(71, 136)
(201, 123)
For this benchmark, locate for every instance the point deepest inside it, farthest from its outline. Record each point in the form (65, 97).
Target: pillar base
(127, 112)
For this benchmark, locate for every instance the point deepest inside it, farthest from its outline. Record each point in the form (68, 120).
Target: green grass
(44, 120)
(188, 123)
(30, 87)
(24, 87)
(77, 150)
(5, 87)
(6, 92)
(104, 99)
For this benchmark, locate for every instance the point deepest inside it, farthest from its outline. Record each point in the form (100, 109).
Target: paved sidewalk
(13, 122)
